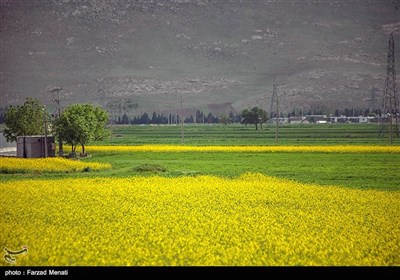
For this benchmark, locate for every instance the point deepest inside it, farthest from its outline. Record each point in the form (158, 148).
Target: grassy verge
(365, 170)
(353, 170)
(377, 171)
(235, 134)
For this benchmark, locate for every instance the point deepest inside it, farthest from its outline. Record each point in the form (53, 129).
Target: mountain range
(198, 54)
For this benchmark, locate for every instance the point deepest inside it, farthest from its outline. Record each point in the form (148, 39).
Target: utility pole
(390, 105)
(57, 101)
(272, 100)
(45, 132)
(182, 121)
(277, 114)
(275, 95)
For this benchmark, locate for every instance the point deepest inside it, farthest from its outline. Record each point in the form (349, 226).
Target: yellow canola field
(52, 164)
(250, 220)
(181, 148)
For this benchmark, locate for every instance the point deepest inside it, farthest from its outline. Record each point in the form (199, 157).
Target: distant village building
(297, 120)
(344, 119)
(316, 118)
(280, 120)
(325, 119)
(34, 146)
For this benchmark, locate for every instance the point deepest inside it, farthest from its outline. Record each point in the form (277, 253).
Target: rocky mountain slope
(322, 54)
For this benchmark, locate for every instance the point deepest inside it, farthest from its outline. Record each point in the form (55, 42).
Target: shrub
(153, 168)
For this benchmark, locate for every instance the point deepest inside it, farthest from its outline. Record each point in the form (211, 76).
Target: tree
(232, 117)
(337, 113)
(254, 116)
(125, 119)
(144, 119)
(211, 118)
(82, 123)
(120, 106)
(24, 120)
(262, 116)
(199, 117)
(154, 119)
(224, 119)
(189, 119)
(2, 115)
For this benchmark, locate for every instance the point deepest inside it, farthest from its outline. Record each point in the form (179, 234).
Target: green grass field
(171, 208)
(367, 171)
(306, 134)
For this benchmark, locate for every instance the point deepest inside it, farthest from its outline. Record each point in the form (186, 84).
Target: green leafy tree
(262, 116)
(81, 123)
(254, 116)
(224, 119)
(24, 120)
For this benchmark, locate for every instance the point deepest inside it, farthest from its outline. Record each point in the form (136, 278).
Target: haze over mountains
(323, 54)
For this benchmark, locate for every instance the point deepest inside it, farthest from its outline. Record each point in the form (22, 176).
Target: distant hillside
(323, 54)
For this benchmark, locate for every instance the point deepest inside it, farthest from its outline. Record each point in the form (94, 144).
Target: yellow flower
(181, 148)
(251, 220)
(51, 164)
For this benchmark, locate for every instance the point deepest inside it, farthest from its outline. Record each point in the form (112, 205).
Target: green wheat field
(324, 195)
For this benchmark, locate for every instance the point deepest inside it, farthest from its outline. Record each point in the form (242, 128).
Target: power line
(275, 94)
(390, 105)
(57, 100)
(182, 121)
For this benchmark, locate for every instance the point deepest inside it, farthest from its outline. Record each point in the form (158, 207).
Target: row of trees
(116, 109)
(348, 112)
(77, 125)
(200, 117)
(81, 123)
(247, 116)
(256, 116)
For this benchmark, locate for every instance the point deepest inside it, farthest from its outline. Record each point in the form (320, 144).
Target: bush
(153, 168)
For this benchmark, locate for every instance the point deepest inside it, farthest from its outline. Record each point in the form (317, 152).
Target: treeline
(156, 118)
(200, 117)
(348, 112)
